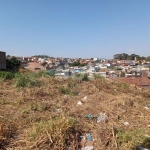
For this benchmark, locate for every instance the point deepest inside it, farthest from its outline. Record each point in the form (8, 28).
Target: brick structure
(2, 60)
(135, 81)
(35, 66)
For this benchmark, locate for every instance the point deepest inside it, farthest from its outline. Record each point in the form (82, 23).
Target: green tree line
(125, 56)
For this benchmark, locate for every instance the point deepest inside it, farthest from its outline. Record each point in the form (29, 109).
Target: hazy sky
(75, 28)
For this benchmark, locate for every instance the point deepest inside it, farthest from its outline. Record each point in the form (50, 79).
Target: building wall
(2, 60)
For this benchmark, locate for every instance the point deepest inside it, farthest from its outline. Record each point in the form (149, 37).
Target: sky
(75, 28)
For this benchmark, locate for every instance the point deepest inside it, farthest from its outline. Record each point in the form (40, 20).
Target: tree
(125, 56)
(75, 63)
(122, 56)
(122, 74)
(143, 58)
(12, 63)
(148, 58)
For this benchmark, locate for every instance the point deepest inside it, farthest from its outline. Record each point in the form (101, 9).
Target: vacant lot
(40, 112)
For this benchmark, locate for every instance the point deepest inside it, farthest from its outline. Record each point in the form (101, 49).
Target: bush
(83, 77)
(122, 74)
(130, 139)
(40, 74)
(7, 75)
(64, 90)
(12, 63)
(98, 76)
(24, 80)
(78, 75)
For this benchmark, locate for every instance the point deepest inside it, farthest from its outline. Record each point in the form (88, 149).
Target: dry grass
(47, 116)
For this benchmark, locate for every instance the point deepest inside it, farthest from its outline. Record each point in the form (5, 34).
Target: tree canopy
(41, 56)
(12, 63)
(148, 58)
(125, 56)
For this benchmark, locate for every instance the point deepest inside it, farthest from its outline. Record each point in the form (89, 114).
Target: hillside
(40, 112)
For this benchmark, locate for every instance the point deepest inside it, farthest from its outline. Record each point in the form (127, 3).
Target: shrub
(24, 80)
(7, 75)
(12, 63)
(98, 76)
(40, 74)
(122, 74)
(78, 75)
(130, 139)
(64, 90)
(85, 77)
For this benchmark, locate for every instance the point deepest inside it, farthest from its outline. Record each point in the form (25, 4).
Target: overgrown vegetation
(128, 139)
(58, 132)
(12, 63)
(7, 75)
(82, 76)
(122, 74)
(24, 79)
(98, 76)
(47, 116)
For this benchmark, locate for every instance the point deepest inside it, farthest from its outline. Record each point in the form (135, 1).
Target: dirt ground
(26, 115)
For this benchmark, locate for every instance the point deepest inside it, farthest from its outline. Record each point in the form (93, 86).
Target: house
(26, 59)
(145, 67)
(2, 60)
(35, 66)
(23, 64)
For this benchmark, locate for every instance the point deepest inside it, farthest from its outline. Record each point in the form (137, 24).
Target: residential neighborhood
(122, 70)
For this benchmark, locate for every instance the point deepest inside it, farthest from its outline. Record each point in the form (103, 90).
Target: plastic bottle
(89, 137)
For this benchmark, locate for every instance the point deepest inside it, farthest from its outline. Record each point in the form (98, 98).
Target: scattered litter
(146, 107)
(126, 123)
(89, 116)
(87, 142)
(88, 148)
(89, 137)
(102, 118)
(122, 110)
(79, 103)
(58, 110)
(83, 137)
(85, 98)
(141, 148)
